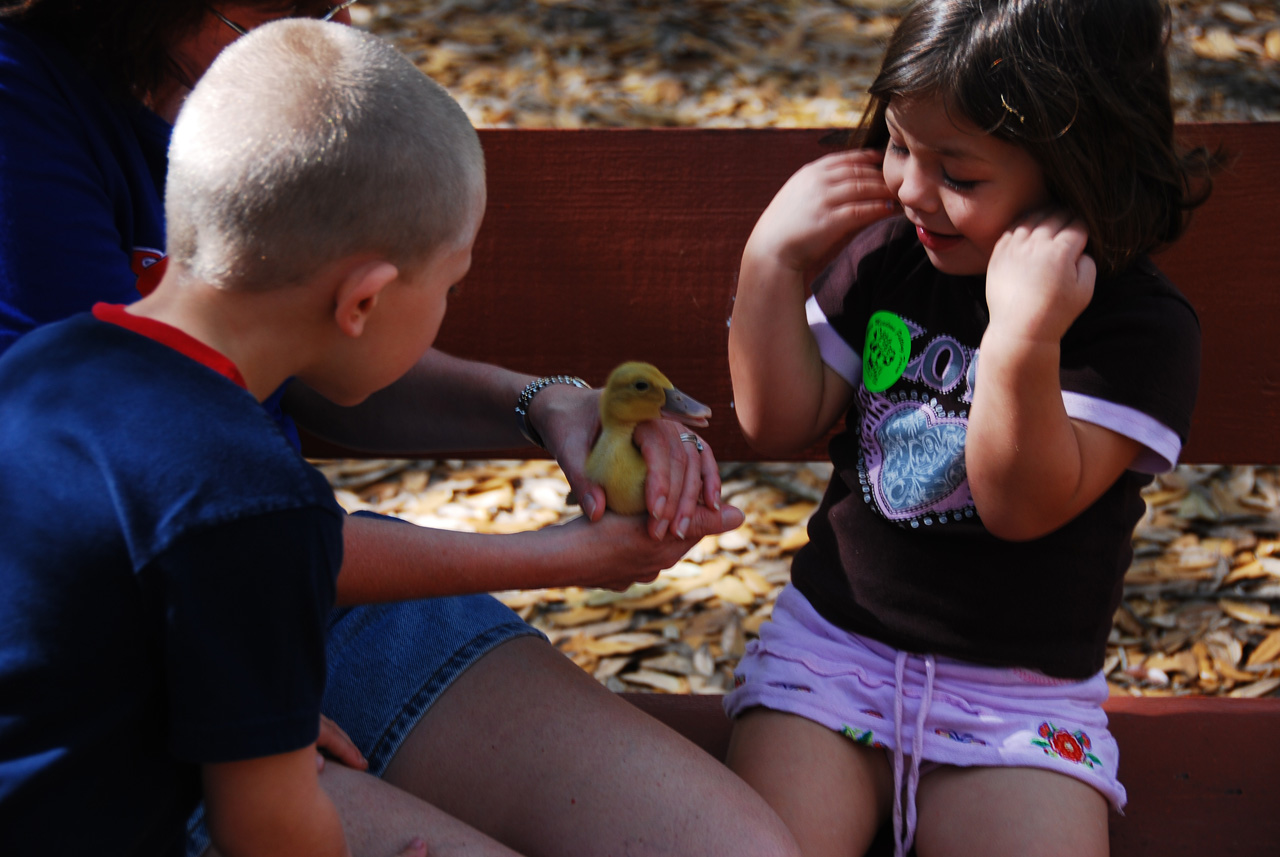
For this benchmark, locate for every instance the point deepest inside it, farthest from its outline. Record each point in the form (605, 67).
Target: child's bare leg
(832, 793)
(989, 812)
(531, 750)
(381, 820)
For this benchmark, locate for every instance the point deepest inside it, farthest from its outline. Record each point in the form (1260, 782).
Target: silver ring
(689, 436)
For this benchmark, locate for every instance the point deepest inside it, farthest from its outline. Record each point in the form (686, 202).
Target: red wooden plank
(1201, 776)
(1227, 264)
(606, 245)
(1200, 772)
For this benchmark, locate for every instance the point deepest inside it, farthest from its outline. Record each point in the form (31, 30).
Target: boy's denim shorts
(388, 663)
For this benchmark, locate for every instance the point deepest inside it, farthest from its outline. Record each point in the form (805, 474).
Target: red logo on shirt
(148, 266)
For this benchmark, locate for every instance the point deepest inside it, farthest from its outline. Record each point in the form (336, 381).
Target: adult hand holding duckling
(678, 476)
(635, 393)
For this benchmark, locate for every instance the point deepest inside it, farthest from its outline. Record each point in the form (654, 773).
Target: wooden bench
(606, 245)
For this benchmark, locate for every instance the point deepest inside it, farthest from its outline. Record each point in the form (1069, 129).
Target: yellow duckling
(634, 393)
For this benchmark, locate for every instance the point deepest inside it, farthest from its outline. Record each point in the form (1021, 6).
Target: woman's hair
(305, 143)
(1082, 85)
(127, 42)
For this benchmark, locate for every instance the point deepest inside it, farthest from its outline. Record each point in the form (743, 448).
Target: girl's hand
(822, 203)
(1039, 278)
(335, 741)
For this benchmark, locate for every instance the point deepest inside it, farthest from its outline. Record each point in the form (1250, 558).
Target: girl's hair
(1082, 85)
(126, 42)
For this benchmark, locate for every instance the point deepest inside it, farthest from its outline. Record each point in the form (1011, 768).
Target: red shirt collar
(167, 334)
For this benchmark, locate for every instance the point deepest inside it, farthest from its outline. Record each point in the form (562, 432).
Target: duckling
(635, 392)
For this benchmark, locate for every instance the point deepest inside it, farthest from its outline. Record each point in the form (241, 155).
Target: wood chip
(577, 616)
(733, 590)
(616, 644)
(664, 682)
(1250, 614)
(1267, 651)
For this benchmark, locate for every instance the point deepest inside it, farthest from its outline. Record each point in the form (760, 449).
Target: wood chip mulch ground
(1197, 614)
(1196, 618)
(718, 63)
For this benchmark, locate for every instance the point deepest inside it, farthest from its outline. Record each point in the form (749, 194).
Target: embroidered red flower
(1071, 746)
(1066, 746)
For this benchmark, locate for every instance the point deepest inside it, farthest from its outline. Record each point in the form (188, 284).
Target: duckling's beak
(685, 409)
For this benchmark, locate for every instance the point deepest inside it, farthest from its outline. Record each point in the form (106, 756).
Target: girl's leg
(989, 812)
(832, 793)
(532, 751)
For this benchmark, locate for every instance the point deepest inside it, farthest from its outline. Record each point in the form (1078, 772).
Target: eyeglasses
(327, 16)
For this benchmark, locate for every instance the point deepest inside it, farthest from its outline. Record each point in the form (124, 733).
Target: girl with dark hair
(450, 700)
(1012, 368)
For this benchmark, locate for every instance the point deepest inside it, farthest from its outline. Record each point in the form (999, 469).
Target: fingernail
(659, 506)
(662, 528)
(589, 506)
(682, 528)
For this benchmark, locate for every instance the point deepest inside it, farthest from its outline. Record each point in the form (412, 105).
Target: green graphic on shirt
(886, 352)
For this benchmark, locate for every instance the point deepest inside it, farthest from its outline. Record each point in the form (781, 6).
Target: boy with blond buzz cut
(323, 198)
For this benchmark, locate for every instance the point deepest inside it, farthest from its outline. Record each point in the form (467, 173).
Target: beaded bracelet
(526, 399)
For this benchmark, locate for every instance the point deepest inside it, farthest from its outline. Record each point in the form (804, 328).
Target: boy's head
(306, 143)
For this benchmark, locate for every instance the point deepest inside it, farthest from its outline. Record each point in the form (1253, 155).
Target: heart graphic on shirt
(919, 465)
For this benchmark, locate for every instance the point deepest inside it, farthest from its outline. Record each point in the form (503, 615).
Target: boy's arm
(1031, 467)
(388, 560)
(272, 806)
(785, 396)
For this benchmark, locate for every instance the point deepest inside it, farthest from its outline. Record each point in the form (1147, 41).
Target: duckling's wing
(617, 466)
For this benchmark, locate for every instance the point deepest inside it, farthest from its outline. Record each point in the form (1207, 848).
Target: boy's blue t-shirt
(168, 563)
(81, 187)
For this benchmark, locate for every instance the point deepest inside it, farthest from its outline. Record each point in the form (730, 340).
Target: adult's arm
(446, 403)
(443, 404)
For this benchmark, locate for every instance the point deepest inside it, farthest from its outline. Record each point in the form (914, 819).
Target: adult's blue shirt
(82, 174)
(81, 187)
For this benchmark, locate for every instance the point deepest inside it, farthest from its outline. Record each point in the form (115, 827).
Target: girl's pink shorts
(972, 715)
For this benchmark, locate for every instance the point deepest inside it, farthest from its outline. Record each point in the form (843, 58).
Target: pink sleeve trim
(1161, 445)
(836, 353)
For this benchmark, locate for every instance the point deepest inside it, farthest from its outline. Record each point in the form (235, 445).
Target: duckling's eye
(642, 386)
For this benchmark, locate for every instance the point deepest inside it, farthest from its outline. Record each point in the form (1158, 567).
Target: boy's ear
(358, 294)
